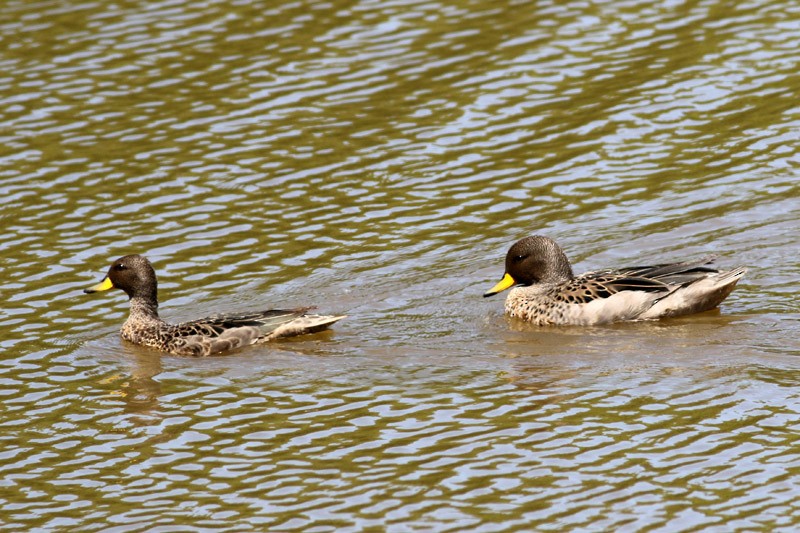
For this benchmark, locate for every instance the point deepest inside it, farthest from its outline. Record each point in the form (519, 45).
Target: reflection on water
(377, 159)
(139, 386)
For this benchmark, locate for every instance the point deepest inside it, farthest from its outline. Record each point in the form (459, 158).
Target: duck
(134, 274)
(546, 292)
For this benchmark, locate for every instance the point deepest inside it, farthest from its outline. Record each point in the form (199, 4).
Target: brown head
(533, 260)
(133, 274)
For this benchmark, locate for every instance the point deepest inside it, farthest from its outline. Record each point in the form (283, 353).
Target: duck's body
(205, 336)
(552, 295)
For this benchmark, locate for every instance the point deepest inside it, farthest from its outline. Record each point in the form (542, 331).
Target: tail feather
(269, 321)
(698, 296)
(301, 325)
(731, 276)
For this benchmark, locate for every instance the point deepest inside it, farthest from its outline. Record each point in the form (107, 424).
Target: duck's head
(532, 260)
(133, 274)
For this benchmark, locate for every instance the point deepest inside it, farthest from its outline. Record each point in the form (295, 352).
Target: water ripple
(377, 159)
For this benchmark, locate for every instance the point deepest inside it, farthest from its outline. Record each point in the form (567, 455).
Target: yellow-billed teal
(207, 336)
(548, 293)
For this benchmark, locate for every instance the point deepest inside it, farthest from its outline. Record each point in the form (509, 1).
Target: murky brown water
(377, 159)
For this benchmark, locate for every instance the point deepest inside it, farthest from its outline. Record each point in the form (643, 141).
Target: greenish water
(377, 159)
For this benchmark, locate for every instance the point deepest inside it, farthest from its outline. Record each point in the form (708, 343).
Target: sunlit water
(377, 159)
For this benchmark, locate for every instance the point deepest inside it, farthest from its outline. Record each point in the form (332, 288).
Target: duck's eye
(518, 258)
(119, 266)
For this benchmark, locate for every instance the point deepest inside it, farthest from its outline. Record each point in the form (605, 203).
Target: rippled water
(377, 159)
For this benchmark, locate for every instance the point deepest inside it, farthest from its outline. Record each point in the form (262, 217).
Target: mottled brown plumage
(207, 336)
(549, 293)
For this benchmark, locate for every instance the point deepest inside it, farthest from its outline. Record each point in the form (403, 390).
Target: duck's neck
(558, 273)
(144, 308)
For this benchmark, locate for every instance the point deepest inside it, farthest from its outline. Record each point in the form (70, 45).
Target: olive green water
(377, 159)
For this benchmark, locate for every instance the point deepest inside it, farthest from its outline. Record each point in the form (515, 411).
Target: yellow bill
(102, 286)
(504, 283)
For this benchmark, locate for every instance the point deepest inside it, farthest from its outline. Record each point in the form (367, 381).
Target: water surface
(377, 159)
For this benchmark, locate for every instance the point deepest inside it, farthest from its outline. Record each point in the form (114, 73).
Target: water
(377, 159)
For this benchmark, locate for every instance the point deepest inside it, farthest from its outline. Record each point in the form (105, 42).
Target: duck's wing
(597, 285)
(275, 322)
(665, 278)
(264, 321)
(682, 273)
(222, 332)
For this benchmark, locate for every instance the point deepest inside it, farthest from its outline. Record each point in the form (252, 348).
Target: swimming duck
(207, 336)
(548, 293)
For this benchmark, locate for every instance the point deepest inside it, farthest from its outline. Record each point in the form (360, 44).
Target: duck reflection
(139, 389)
